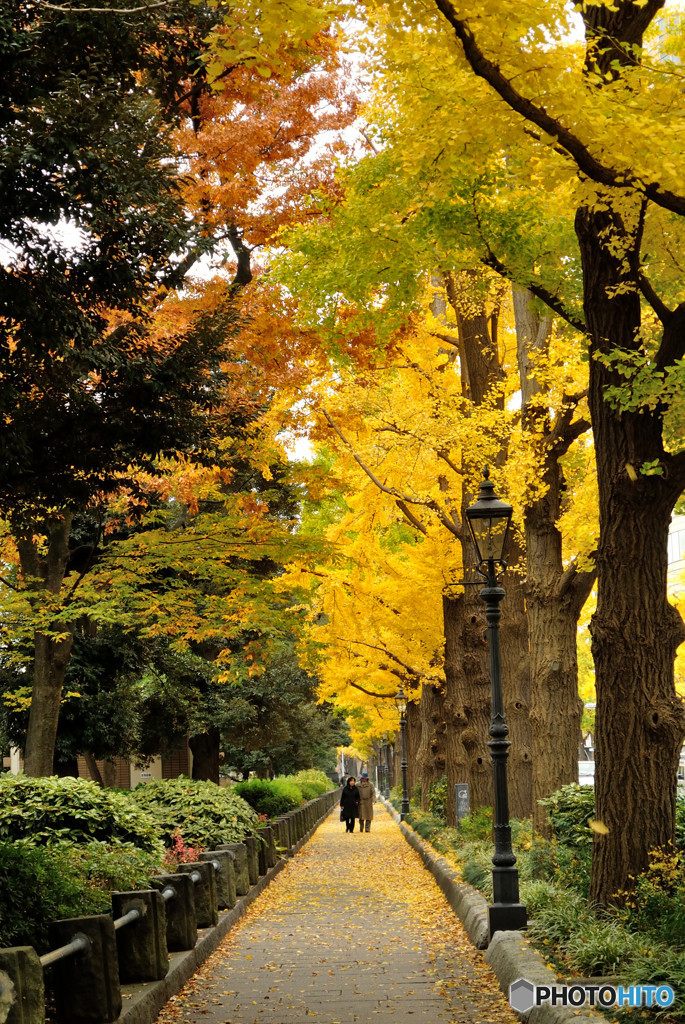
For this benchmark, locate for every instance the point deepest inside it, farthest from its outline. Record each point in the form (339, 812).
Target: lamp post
(489, 520)
(386, 765)
(401, 705)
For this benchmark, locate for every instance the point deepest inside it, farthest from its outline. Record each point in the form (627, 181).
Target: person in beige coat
(367, 795)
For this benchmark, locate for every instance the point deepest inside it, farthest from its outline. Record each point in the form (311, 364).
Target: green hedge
(45, 883)
(312, 782)
(40, 812)
(270, 797)
(203, 813)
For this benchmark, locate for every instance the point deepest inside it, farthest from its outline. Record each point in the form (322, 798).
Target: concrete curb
(143, 1002)
(469, 905)
(509, 954)
(511, 957)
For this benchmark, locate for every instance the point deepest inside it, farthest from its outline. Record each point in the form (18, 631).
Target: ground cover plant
(640, 940)
(201, 812)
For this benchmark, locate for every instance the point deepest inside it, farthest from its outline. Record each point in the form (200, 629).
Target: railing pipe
(135, 914)
(79, 944)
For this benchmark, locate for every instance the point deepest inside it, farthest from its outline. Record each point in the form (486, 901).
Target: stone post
(205, 892)
(181, 920)
(242, 872)
(251, 844)
(21, 977)
(224, 878)
(141, 945)
(87, 989)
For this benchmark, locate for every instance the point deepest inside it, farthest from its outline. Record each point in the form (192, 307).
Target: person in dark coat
(349, 803)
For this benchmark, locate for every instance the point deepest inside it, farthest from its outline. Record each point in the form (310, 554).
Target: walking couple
(356, 801)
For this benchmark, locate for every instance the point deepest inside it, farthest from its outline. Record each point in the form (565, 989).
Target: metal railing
(79, 944)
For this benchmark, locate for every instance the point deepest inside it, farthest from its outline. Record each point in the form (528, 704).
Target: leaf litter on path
(353, 929)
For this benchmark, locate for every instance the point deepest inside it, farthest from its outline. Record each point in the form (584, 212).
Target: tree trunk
(481, 370)
(413, 738)
(554, 595)
(640, 720)
(430, 756)
(467, 706)
(516, 687)
(109, 773)
(205, 748)
(52, 649)
(93, 768)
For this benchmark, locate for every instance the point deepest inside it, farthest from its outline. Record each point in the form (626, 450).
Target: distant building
(126, 774)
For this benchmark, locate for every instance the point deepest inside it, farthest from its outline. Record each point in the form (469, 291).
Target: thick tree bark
(52, 649)
(640, 721)
(469, 693)
(205, 748)
(413, 737)
(516, 684)
(555, 594)
(430, 755)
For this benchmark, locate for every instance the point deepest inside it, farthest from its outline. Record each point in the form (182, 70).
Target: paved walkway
(354, 929)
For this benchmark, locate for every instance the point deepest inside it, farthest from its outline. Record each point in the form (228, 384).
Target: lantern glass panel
(490, 536)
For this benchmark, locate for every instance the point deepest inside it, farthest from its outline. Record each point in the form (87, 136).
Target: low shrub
(270, 796)
(40, 812)
(203, 813)
(539, 894)
(601, 947)
(437, 799)
(42, 884)
(558, 920)
(180, 853)
(395, 797)
(659, 965)
(476, 826)
(426, 824)
(312, 783)
(656, 904)
(570, 810)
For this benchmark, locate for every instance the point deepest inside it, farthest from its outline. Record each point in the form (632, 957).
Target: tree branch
(384, 650)
(105, 10)
(659, 307)
(588, 164)
(565, 430)
(411, 518)
(449, 339)
(578, 583)
(243, 274)
(392, 491)
(371, 693)
(537, 290)
(672, 347)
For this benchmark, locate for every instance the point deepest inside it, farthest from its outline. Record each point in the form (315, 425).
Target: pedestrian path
(354, 929)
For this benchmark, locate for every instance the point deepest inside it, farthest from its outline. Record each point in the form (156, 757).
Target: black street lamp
(489, 520)
(385, 752)
(401, 705)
